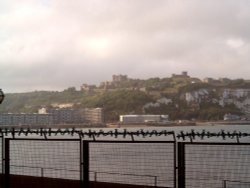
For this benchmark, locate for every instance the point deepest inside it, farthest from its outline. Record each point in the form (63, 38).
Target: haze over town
(54, 44)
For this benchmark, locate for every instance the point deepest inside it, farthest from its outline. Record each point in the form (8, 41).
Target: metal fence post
(155, 181)
(175, 165)
(81, 163)
(42, 172)
(7, 163)
(224, 184)
(3, 162)
(181, 165)
(95, 178)
(2, 137)
(85, 160)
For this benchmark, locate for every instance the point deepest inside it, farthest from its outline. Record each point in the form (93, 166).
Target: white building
(93, 115)
(128, 119)
(231, 117)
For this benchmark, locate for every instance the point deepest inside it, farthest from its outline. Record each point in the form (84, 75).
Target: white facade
(93, 115)
(231, 117)
(143, 118)
(77, 116)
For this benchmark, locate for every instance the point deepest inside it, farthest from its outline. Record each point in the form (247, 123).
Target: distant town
(179, 99)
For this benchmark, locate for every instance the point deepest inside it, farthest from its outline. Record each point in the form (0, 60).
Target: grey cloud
(52, 44)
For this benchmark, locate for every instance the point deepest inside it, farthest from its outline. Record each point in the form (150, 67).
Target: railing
(95, 179)
(154, 178)
(42, 170)
(229, 183)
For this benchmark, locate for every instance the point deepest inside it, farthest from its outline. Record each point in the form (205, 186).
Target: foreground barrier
(121, 158)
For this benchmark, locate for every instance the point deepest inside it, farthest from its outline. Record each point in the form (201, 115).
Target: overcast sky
(55, 44)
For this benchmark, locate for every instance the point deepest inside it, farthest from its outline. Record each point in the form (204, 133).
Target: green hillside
(131, 97)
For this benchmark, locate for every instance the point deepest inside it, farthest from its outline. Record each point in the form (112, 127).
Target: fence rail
(95, 173)
(231, 184)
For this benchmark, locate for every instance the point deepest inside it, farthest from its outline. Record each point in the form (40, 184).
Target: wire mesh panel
(47, 159)
(146, 163)
(217, 165)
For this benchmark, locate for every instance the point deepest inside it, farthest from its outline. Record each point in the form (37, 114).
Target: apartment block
(25, 119)
(54, 116)
(65, 116)
(93, 115)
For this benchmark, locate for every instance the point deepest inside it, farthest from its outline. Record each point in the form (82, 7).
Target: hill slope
(180, 98)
